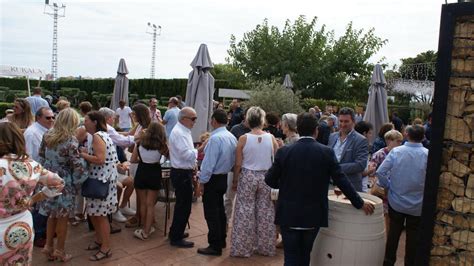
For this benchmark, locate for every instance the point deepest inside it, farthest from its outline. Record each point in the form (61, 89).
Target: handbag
(95, 189)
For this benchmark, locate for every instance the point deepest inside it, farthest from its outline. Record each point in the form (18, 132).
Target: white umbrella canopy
(200, 91)
(377, 111)
(120, 86)
(287, 83)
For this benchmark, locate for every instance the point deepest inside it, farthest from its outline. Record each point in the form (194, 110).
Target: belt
(182, 170)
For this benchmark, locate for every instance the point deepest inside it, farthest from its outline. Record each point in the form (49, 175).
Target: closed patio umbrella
(120, 86)
(377, 112)
(287, 82)
(200, 91)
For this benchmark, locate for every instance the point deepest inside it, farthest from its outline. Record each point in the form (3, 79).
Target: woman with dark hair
(142, 117)
(59, 153)
(379, 141)
(148, 176)
(102, 158)
(18, 178)
(253, 225)
(22, 115)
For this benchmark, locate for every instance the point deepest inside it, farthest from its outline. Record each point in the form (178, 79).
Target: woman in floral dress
(102, 158)
(59, 153)
(253, 225)
(18, 178)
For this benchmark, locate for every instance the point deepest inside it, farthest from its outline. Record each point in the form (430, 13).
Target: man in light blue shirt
(403, 174)
(171, 115)
(218, 160)
(36, 102)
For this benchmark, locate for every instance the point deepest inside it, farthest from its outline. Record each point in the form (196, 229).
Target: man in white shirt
(171, 115)
(33, 137)
(34, 133)
(36, 101)
(124, 116)
(183, 158)
(155, 113)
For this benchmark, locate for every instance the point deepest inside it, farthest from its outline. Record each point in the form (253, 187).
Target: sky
(94, 35)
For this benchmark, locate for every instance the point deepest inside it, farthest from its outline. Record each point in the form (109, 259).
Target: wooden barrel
(352, 237)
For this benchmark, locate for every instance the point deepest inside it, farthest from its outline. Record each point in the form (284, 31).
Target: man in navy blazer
(302, 171)
(350, 147)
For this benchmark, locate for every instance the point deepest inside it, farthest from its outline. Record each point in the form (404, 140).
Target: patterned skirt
(16, 245)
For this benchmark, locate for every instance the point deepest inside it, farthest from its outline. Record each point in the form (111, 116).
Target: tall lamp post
(56, 12)
(155, 31)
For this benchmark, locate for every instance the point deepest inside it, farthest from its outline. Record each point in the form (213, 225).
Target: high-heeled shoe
(48, 251)
(61, 255)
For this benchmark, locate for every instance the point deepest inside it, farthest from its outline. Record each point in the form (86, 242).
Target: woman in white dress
(102, 159)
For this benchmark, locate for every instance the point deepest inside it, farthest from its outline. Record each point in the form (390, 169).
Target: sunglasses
(191, 118)
(49, 117)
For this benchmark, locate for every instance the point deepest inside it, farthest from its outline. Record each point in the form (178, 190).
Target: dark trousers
(182, 183)
(397, 220)
(39, 224)
(214, 211)
(297, 245)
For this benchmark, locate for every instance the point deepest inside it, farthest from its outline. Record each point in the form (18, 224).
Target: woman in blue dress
(59, 153)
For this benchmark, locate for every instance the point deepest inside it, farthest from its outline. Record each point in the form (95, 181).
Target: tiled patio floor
(130, 251)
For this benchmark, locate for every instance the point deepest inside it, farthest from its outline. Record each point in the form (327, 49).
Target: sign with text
(21, 71)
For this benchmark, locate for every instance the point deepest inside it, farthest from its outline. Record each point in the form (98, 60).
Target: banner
(21, 71)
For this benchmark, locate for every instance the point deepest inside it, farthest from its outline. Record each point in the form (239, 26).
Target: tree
(415, 77)
(320, 65)
(271, 96)
(229, 73)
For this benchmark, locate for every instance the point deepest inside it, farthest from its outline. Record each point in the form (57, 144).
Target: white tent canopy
(14, 71)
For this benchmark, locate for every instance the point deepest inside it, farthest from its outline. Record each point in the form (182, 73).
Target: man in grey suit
(350, 147)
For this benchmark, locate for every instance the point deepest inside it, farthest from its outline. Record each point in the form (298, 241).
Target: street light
(56, 12)
(154, 32)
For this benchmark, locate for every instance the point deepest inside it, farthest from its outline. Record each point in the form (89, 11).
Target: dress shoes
(182, 243)
(210, 251)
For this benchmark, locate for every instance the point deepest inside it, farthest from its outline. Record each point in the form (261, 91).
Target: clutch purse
(95, 189)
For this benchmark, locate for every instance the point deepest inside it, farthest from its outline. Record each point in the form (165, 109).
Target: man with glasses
(33, 137)
(183, 158)
(34, 133)
(171, 115)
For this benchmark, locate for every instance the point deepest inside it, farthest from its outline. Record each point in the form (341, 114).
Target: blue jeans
(297, 245)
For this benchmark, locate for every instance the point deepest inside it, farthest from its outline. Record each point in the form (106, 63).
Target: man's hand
(198, 190)
(368, 208)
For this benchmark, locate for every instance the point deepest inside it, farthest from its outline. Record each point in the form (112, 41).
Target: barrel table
(352, 237)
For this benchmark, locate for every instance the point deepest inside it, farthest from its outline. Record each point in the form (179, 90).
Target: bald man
(183, 158)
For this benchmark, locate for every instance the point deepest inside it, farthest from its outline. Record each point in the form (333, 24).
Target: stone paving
(130, 251)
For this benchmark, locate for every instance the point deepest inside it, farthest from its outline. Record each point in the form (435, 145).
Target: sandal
(48, 251)
(100, 255)
(60, 255)
(140, 234)
(94, 246)
(132, 222)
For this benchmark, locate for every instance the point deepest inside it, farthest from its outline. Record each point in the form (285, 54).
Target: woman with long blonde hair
(59, 153)
(22, 115)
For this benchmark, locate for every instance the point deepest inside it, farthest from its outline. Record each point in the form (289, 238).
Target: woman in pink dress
(18, 178)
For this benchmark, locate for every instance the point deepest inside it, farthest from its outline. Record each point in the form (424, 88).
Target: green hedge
(321, 103)
(158, 87)
(4, 107)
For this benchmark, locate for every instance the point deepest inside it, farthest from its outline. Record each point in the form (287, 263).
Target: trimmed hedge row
(4, 107)
(158, 87)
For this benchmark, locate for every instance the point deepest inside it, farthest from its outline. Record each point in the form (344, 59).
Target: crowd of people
(101, 157)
